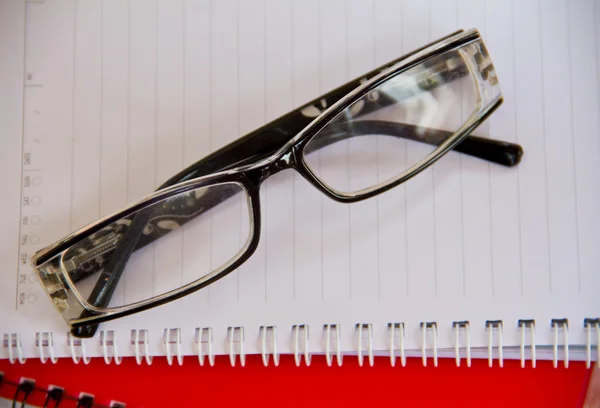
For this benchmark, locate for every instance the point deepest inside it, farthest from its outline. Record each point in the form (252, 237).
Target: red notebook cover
(161, 385)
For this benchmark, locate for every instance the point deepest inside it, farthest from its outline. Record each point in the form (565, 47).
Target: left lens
(161, 247)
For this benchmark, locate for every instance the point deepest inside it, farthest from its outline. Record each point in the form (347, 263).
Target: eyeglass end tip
(514, 155)
(84, 332)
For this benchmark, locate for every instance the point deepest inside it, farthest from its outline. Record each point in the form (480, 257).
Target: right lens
(162, 247)
(396, 125)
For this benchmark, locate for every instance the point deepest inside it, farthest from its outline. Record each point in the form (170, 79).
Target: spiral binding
(25, 387)
(494, 326)
(524, 325)
(85, 401)
(296, 329)
(335, 330)
(332, 346)
(43, 341)
(558, 324)
(589, 326)
(12, 341)
(204, 339)
(74, 342)
(173, 336)
(236, 335)
(108, 338)
(55, 395)
(24, 390)
(140, 337)
(399, 328)
(425, 328)
(465, 328)
(263, 330)
(369, 330)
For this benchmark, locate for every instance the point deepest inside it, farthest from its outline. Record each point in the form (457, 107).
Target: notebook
(103, 100)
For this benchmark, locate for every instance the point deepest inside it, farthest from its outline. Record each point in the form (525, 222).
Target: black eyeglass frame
(265, 155)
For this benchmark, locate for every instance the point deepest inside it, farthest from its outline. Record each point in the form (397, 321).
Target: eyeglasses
(353, 143)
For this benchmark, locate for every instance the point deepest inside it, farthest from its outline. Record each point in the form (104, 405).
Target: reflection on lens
(161, 247)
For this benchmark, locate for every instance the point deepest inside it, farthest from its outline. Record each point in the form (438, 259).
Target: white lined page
(336, 233)
(476, 198)
(131, 92)
(364, 262)
(252, 114)
(420, 228)
(12, 79)
(308, 271)
(393, 278)
(585, 108)
(447, 190)
(505, 195)
(562, 189)
(279, 190)
(530, 130)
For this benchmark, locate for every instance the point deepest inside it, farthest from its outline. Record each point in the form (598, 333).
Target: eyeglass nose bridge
(284, 161)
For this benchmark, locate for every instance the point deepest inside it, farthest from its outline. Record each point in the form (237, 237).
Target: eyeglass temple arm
(263, 143)
(266, 140)
(496, 151)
